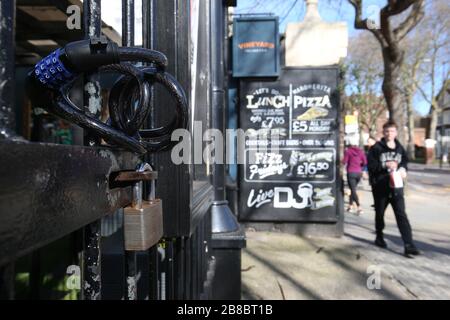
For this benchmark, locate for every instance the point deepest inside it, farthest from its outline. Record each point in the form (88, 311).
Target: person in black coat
(385, 157)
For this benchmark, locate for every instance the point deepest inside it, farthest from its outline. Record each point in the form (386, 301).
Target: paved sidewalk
(426, 276)
(432, 167)
(284, 266)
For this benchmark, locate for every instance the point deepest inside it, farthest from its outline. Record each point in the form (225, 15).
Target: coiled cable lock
(129, 100)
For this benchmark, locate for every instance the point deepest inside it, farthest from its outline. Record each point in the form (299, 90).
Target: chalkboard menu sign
(291, 152)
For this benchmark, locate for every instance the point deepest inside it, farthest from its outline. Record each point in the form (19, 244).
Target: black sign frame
(272, 201)
(265, 59)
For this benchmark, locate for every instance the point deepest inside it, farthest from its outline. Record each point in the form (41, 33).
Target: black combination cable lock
(129, 100)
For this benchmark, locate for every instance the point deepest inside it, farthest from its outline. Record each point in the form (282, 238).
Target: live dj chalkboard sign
(291, 157)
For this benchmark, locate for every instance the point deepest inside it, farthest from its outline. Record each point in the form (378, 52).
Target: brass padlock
(143, 220)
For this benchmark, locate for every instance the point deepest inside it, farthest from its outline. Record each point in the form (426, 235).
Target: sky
(287, 11)
(330, 10)
(112, 15)
(294, 10)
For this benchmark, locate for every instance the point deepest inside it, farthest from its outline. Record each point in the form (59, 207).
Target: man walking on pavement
(387, 160)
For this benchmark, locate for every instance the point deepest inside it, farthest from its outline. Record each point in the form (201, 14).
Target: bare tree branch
(423, 93)
(393, 50)
(445, 87)
(398, 6)
(385, 35)
(414, 17)
(288, 11)
(385, 25)
(361, 24)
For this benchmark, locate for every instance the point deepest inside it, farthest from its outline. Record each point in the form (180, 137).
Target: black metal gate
(50, 192)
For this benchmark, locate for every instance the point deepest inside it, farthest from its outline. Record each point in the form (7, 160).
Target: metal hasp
(223, 219)
(126, 176)
(91, 257)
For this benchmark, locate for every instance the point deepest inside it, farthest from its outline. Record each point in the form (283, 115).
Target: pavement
(286, 266)
(429, 167)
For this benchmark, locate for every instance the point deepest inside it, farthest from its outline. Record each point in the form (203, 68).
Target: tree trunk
(374, 132)
(433, 123)
(361, 137)
(392, 92)
(410, 114)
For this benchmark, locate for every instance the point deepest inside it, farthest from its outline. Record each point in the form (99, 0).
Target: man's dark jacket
(378, 155)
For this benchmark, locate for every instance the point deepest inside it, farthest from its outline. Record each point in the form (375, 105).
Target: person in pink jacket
(354, 160)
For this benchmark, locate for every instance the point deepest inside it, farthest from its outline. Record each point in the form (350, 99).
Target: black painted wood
(48, 191)
(171, 36)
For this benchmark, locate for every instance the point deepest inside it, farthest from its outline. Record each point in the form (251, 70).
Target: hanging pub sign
(256, 47)
(290, 169)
